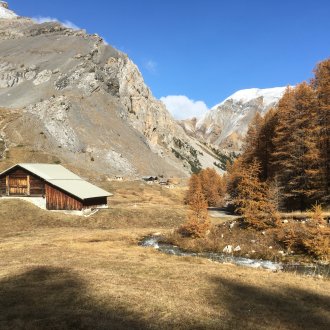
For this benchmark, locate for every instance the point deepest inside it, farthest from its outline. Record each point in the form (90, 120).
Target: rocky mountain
(71, 96)
(226, 124)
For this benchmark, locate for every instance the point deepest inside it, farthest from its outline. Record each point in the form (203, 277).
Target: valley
(72, 272)
(245, 183)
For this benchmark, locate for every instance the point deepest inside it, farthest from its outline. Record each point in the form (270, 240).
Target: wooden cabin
(62, 189)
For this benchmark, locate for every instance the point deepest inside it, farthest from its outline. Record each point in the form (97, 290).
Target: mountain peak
(269, 95)
(5, 12)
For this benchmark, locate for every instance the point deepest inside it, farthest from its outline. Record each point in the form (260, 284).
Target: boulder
(228, 249)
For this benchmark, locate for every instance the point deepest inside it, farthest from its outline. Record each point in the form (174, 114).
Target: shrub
(307, 238)
(317, 214)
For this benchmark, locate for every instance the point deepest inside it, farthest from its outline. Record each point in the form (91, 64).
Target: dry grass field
(61, 271)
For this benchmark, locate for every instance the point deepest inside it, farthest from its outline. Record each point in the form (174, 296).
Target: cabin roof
(59, 176)
(80, 188)
(50, 171)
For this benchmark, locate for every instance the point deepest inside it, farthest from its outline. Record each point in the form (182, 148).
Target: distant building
(62, 189)
(150, 178)
(164, 182)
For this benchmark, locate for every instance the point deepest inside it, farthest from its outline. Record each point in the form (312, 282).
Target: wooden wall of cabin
(59, 200)
(37, 186)
(22, 182)
(3, 189)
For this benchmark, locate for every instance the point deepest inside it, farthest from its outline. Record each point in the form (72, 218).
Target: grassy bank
(251, 243)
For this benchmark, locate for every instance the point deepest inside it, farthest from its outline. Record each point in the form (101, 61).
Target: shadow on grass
(54, 298)
(273, 308)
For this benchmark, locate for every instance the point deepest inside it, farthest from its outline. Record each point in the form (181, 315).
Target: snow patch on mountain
(5, 12)
(270, 95)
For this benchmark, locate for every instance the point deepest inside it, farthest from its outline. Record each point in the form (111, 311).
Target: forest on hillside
(288, 150)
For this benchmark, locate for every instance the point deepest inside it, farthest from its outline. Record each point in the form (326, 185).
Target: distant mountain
(226, 124)
(69, 95)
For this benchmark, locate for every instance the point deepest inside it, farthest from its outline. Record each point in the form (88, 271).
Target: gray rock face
(54, 114)
(2, 147)
(87, 103)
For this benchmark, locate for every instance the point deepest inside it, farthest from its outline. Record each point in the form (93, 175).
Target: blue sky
(204, 50)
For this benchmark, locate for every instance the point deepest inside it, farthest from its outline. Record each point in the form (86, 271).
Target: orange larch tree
(295, 153)
(198, 222)
(254, 200)
(321, 83)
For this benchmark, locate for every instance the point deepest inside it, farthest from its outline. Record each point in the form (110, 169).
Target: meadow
(59, 271)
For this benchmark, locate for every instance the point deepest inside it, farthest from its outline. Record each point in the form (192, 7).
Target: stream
(310, 270)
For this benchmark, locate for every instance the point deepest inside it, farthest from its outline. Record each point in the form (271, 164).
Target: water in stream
(312, 270)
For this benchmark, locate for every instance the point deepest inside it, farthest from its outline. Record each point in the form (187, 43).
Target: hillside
(71, 95)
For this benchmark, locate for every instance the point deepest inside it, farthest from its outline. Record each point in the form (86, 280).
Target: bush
(309, 238)
(317, 214)
(194, 228)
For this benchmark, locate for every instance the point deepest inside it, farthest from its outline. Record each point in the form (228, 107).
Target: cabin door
(18, 186)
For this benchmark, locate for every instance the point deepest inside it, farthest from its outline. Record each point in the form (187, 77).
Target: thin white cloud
(181, 107)
(66, 23)
(151, 66)
(70, 25)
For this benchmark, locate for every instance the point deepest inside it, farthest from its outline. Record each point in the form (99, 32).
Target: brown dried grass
(64, 272)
